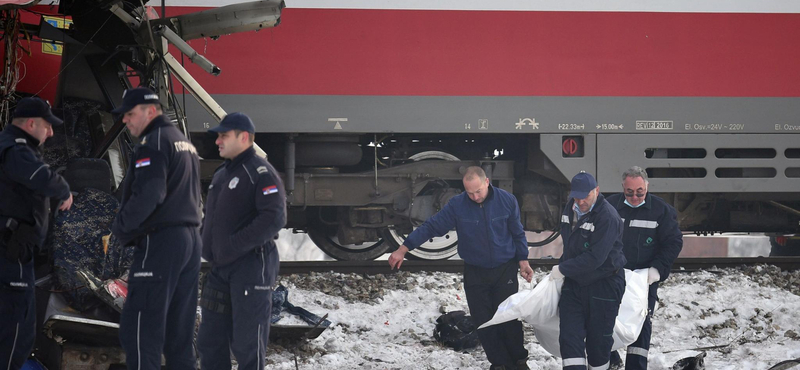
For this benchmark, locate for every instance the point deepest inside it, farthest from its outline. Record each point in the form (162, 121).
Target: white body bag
(539, 308)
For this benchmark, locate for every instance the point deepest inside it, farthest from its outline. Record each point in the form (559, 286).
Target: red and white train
(372, 108)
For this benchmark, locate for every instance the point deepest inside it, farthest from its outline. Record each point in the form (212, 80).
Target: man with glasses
(651, 240)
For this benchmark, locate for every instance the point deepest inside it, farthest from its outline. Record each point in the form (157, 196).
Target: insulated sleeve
(438, 225)
(670, 241)
(269, 217)
(23, 166)
(148, 190)
(517, 232)
(606, 232)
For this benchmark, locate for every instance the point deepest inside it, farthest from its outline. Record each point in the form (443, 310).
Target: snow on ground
(387, 321)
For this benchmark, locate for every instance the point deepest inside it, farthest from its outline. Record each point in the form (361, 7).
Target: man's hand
(65, 205)
(396, 259)
(555, 274)
(525, 270)
(652, 276)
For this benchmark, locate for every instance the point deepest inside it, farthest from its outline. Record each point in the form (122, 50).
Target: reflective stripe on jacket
(651, 236)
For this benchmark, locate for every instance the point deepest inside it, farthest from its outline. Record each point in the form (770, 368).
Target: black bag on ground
(456, 330)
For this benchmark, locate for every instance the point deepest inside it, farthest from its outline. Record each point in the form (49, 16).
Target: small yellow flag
(106, 238)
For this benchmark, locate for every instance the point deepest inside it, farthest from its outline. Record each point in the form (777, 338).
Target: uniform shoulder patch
(272, 189)
(262, 169)
(144, 162)
(20, 140)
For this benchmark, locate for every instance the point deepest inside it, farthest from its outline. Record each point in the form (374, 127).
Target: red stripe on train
(501, 53)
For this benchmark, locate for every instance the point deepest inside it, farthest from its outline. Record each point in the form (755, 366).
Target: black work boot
(523, 364)
(498, 367)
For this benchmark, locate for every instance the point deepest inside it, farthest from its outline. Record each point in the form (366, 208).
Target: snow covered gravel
(748, 316)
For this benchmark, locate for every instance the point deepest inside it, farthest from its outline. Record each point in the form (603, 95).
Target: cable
(152, 41)
(10, 71)
(183, 91)
(41, 13)
(19, 61)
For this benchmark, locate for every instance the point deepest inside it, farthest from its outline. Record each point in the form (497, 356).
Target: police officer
(26, 183)
(651, 240)
(160, 216)
(492, 243)
(245, 209)
(595, 280)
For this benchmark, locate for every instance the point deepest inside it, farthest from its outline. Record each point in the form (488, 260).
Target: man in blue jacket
(492, 243)
(245, 209)
(160, 216)
(651, 240)
(26, 186)
(595, 280)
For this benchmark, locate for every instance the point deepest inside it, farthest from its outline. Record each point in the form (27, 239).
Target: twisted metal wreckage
(115, 44)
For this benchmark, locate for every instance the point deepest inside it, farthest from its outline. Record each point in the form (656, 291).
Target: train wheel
(347, 252)
(438, 248)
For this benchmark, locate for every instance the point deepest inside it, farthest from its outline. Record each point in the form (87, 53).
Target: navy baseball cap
(35, 107)
(235, 121)
(134, 97)
(582, 184)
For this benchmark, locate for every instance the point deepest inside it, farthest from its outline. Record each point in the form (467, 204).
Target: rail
(382, 267)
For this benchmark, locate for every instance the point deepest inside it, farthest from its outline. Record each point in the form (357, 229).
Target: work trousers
(159, 313)
(17, 312)
(486, 288)
(236, 305)
(588, 314)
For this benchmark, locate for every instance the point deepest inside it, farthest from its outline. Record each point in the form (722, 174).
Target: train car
(372, 110)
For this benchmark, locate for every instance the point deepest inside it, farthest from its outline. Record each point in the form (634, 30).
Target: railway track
(382, 267)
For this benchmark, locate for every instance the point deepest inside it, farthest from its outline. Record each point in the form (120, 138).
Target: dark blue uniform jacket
(26, 182)
(489, 234)
(162, 186)
(651, 237)
(593, 247)
(245, 209)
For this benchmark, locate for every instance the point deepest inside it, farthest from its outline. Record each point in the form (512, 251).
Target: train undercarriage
(358, 200)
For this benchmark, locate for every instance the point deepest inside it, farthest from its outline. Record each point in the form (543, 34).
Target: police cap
(35, 107)
(235, 121)
(134, 97)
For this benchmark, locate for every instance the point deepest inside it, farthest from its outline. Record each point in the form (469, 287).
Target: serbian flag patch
(270, 189)
(144, 162)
